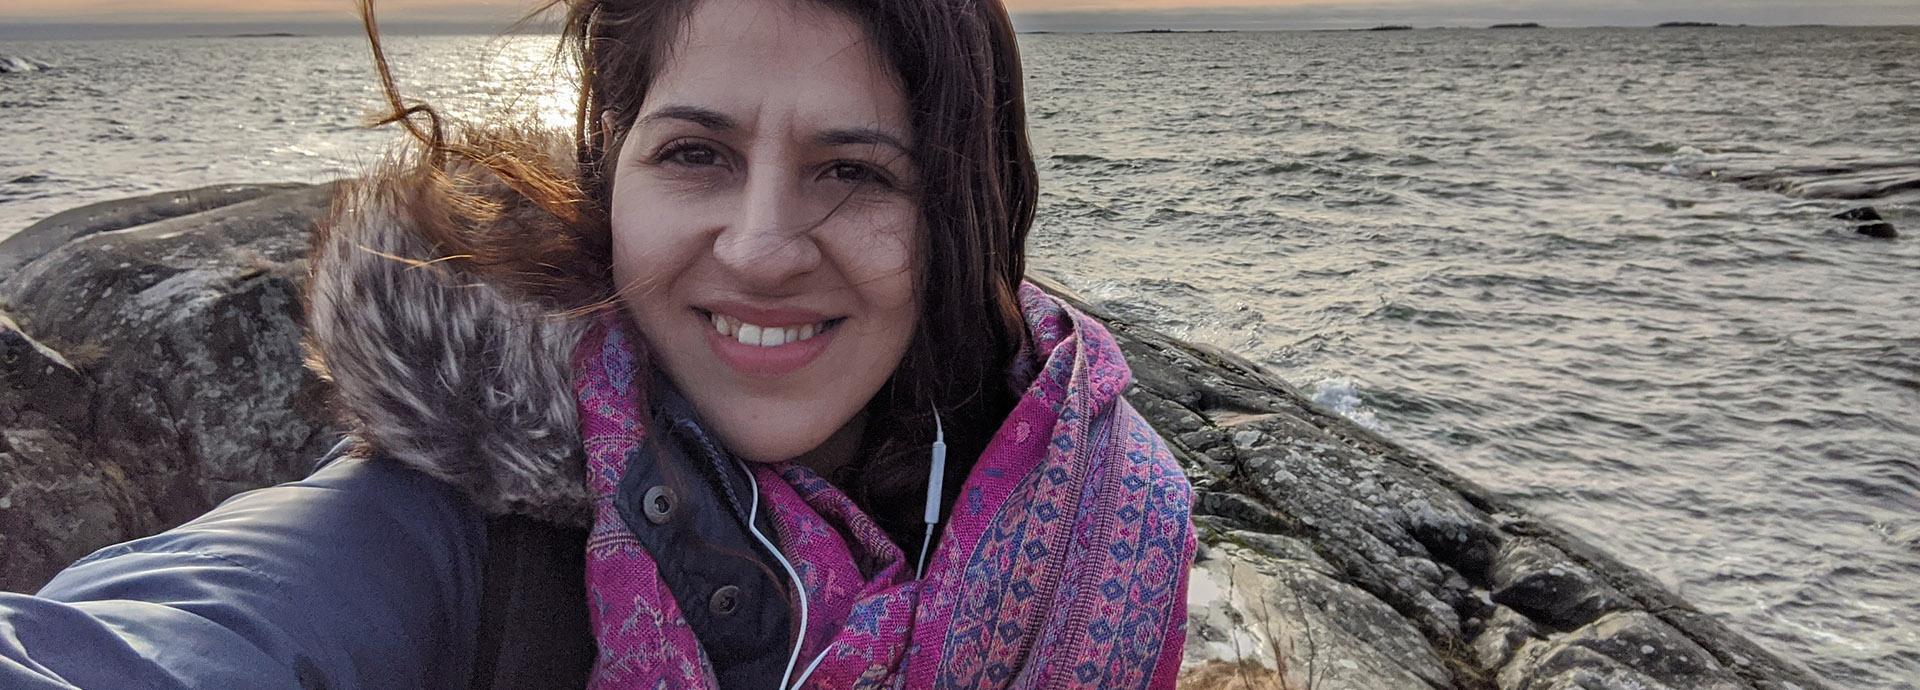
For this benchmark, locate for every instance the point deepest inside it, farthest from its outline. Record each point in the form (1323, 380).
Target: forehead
(753, 59)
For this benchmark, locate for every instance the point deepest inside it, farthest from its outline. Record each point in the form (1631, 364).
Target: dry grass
(1245, 675)
(84, 356)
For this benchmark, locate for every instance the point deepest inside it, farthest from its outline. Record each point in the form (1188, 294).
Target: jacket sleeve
(363, 575)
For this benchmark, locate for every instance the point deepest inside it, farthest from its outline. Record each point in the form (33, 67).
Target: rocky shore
(150, 367)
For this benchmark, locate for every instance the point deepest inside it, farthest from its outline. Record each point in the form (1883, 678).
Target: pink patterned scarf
(1064, 564)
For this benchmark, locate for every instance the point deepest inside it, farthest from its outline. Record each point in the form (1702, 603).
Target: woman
(738, 387)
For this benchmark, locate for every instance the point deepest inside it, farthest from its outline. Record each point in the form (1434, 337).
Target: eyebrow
(859, 136)
(719, 122)
(699, 116)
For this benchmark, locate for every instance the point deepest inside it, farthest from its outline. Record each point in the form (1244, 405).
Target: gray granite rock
(1504, 632)
(1626, 650)
(40, 380)
(182, 382)
(57, 502)
(1292, 624)
(1538, 580)
(57, 230)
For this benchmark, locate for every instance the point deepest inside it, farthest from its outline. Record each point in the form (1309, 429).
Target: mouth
(758, 335)
(777, 345)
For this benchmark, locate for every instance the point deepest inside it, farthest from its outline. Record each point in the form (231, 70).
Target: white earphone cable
(936, 476)
(799, 588)
(810, 667)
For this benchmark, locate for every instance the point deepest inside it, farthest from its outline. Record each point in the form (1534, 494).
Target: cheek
(634, 258)
(640, 239)
(651, 255)
(636, 263)
(877, 257)
(652, 243)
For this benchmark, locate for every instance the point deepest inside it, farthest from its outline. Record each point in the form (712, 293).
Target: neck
(838, 450)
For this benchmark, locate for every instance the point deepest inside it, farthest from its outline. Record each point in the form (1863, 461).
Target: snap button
(725, 600)
(659, 504)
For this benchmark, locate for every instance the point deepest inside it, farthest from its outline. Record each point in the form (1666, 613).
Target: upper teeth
(764, 336)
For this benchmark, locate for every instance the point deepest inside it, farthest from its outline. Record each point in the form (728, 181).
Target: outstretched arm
(364, 575)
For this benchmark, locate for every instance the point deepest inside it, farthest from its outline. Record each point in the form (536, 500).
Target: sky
(25, 18)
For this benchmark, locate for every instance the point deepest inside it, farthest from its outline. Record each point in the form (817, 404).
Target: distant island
(267, 34)
(1174, 31)
(1390, 27)
(1673, 25)
(1519, 25)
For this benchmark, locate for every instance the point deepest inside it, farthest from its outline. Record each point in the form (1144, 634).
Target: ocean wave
(12, 64)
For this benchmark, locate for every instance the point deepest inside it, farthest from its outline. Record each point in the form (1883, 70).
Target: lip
(766, 362)
(765, 316)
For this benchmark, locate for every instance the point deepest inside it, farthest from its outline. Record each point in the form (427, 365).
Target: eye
(688, 153)
(855, 173)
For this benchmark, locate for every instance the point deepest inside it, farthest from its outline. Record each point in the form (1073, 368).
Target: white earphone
(936, 475)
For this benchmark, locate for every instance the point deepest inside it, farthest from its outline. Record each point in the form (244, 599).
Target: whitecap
(1342, 396)
(1685, 161)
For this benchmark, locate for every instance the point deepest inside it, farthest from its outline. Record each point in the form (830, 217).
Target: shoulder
(1145, 504)
(1149, 461)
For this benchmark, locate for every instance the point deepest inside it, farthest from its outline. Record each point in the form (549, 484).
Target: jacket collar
(435, 367)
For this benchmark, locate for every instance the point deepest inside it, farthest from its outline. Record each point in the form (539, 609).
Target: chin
(776, 435)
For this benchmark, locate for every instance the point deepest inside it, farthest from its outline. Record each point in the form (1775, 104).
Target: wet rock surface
(152, 370)
(1860, 214)
(1837, 179)
(1881, 231)
(1868, 222)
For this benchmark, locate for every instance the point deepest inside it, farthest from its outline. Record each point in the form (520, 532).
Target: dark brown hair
(960, 67)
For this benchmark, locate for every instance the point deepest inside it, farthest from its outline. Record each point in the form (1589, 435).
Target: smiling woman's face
(764, 224)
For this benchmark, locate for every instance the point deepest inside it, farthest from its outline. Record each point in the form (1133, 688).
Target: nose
(769, 242)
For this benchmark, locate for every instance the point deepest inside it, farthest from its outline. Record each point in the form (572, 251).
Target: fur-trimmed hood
(433, 365)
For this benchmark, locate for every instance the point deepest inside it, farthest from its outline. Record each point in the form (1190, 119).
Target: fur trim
(436, 368)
